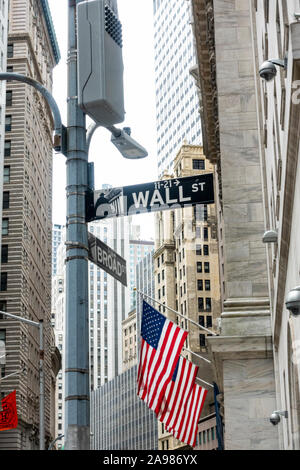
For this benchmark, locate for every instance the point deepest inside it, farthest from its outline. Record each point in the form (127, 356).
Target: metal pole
(77, 429)
(177, 313)
(42, 387)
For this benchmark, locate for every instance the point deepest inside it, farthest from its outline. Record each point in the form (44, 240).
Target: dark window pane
(7, 123)
(206, 267)
(7, 148)
(202, 340)
(199, 164)
(5, 200)
(4, 254)
(200, 304)
(10, 51)
(9, 98)
(3, 286)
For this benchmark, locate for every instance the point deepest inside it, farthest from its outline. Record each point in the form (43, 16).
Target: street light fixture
(122, 140)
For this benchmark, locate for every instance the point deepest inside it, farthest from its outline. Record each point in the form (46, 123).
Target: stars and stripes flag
(177, 393)
(161, 344)
(187, 429)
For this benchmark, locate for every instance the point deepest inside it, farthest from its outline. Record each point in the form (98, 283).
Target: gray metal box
(100, 62)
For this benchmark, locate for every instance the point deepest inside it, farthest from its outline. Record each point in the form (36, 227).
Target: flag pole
(192, 352)
(210, 385)
(174, 311)
(13, 373)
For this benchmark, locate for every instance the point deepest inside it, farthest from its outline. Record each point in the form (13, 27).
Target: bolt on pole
(77, 405)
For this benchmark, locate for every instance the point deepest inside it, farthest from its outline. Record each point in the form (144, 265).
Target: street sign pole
(77, 427)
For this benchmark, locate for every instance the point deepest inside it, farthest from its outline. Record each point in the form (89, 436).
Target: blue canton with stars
(152, 325)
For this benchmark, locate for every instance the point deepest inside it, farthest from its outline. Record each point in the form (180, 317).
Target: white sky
(138, 56)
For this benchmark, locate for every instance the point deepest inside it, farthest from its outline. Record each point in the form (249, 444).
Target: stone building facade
(27, 213)
(186, 273)
(251, 132)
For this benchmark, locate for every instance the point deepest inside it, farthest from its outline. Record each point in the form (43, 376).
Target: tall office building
(177, 115)
(27, 224)
(56, 240)
(186, 273)
(138, 250)
(3, 122)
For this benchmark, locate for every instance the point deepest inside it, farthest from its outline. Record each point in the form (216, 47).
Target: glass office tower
(177, 103)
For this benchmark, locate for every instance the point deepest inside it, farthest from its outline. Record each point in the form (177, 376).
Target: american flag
(187, 430)
(161, 344)
(177, 393)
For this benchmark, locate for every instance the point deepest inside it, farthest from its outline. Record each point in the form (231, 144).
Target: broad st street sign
(107, 259)
(150, 197)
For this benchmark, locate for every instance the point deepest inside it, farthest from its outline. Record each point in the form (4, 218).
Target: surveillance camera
(275, 416)
(270, 236)
(293, 301)
(267, 71)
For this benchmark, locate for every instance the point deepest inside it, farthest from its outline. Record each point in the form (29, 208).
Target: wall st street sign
(107, 259)
(150, 197)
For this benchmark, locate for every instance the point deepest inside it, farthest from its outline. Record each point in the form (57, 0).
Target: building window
(5, 203)
(3, 286)
(4, 227)
(7, 123)
(199, 164)
(199, 267)
(200, 304)
(10, 51)
(209, 321)
(3, 308)
(198, 250)
(199, 284)
(205, 233)
(207, 284)
(4, 254)
(202, 340)
(7, 148)
(201, 320)
(208, 304)
(205, 250)
(165, 445)
(6, 174)
(206, 267)
(9, 98)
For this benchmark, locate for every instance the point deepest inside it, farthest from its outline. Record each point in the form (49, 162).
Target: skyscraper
(4, 121)
(26, 228)
(177, 115)
(56, 239)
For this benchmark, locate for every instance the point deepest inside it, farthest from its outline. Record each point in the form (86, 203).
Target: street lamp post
(77, 406)
(38, 325)
(73, 142)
